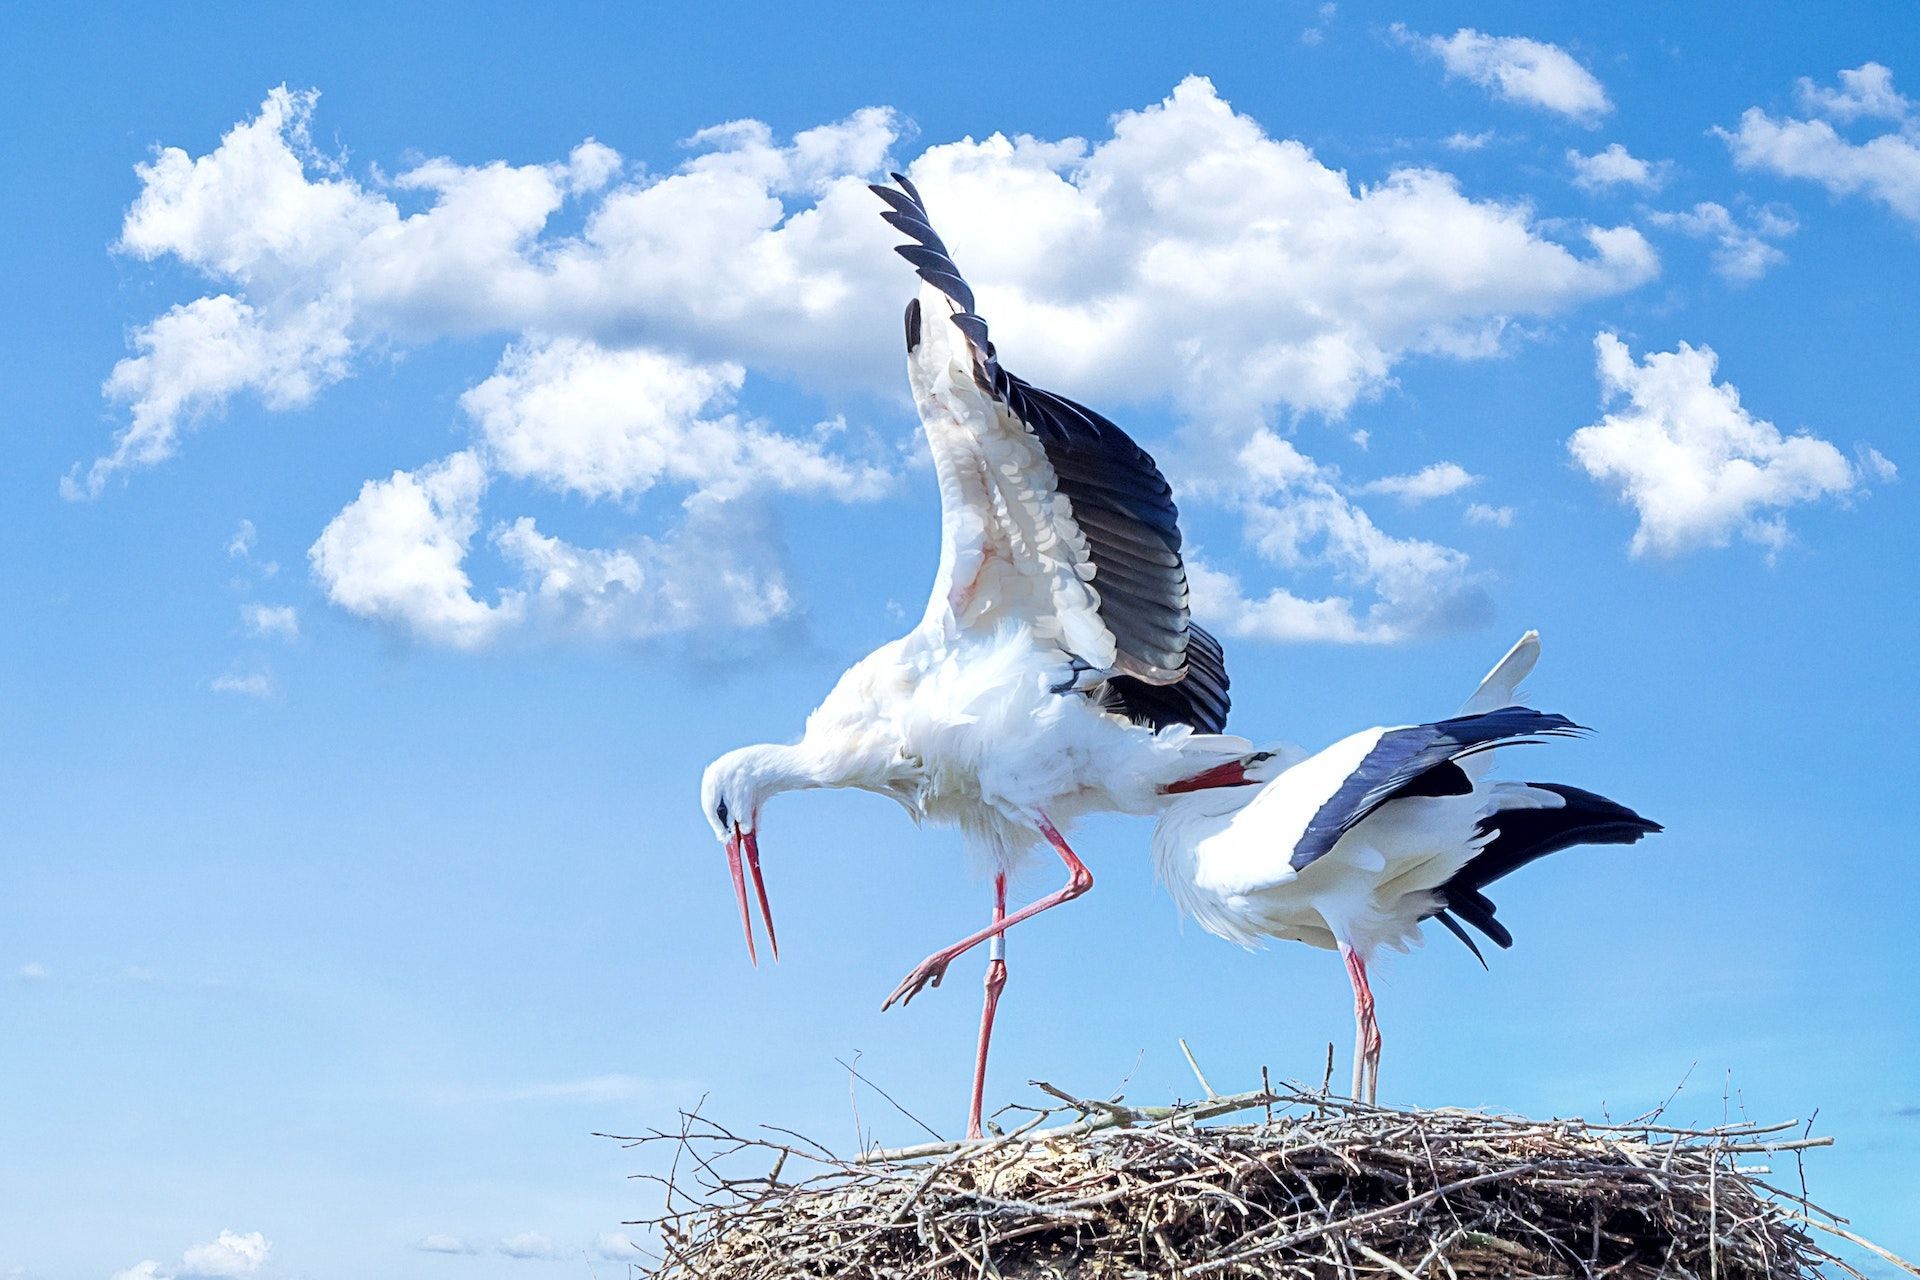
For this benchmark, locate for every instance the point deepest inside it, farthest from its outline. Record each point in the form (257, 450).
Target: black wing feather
(1521, 836)
(1402, 757)
(1200, 701)
(1119, 497)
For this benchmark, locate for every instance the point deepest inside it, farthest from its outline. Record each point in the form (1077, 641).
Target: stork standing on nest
(1352, 847)
(1055, 671)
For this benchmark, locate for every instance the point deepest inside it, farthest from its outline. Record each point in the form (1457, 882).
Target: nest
(1313, 1187)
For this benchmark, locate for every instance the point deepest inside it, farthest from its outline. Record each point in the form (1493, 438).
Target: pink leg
(996, 981)
(1366, 1039)
(934, 967)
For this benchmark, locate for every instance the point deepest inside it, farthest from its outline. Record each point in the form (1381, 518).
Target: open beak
(744, 841)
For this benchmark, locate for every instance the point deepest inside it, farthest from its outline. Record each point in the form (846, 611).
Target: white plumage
(1054, 671)
(1352, 847)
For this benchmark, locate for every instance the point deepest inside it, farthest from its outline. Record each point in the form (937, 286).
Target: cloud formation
(271, 620)
(1195, 260)
(609, 423)
(440, 1243)
(1885, 168)
(1434, 481)
(1697, 467)
(1531, 73)
(1615, 166)
(397, 554)
(231, 1256)
(1298, 519)
(1743, 249)
(257, 684)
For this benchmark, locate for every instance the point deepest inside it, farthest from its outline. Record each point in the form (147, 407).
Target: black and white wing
(1051, 514)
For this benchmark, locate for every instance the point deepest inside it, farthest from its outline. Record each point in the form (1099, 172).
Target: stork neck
(799, 766)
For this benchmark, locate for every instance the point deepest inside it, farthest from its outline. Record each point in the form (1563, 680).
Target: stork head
(731, 793)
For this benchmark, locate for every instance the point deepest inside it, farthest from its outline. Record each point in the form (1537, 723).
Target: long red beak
(738, 841)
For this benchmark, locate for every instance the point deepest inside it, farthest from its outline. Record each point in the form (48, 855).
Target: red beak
(735, 843)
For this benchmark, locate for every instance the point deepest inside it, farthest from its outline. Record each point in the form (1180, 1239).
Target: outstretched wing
(1052, 513)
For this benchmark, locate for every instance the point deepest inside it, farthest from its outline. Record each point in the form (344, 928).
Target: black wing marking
(1521, 836)
(1120, 500)
(1419, 761)
(1199, 701)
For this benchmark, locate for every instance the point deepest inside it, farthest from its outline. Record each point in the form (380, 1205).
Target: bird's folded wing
(1117, 531)
(1420, 760)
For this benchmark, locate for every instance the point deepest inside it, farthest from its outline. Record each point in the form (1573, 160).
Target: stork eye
(721, 813)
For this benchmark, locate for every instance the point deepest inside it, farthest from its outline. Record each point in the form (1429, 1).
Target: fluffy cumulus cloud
(1299, 519)
(1744, 248)
(1698, 468)
(1615, 166)
(398, 554)
(231, 1256)
(1516, 69)
(603, 422)
(1195, 260)
(1884, 167)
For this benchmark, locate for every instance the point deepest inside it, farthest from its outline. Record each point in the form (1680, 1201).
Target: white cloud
(397, 554)
(1698, 468)
(1298, 519)
(240, 547)
(1529, 72)
(1865, 92)
(1615, 166)
(195, 358)
(531, 1245)
(1460, 140)
(1190, 255)
(1317, 33)
(1885, 168)
(1482, 513)
(281, 620)
(32, 971)
(615, 1246)
(614, 423)
(1192, 258)
(1743, 250)
(231, 1256)
(444, 1244)
(247, 684)
(1434, 481)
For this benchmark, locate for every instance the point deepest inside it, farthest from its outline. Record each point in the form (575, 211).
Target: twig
(1197, 1073)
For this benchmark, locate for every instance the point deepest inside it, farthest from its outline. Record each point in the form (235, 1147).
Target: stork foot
(927, 973)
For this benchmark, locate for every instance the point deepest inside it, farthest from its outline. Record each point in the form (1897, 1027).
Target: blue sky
(410, 489)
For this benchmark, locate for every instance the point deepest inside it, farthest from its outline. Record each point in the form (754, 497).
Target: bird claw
(927, 973)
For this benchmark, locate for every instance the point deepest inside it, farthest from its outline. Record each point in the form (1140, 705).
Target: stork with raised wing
(1055, 672)
(1351, 848)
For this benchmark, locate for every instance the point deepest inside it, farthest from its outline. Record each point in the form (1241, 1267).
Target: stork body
(1054, 672)
(1353, 847)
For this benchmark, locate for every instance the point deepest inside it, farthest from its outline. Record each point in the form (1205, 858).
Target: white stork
(1055, 671)
(1351, 848)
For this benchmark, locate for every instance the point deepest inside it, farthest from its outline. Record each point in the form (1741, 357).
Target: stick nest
(1313, 1187)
